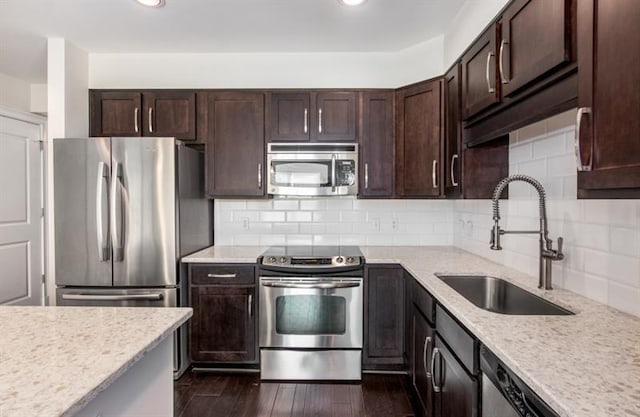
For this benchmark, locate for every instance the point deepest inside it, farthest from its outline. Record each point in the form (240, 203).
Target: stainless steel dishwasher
(504, 394)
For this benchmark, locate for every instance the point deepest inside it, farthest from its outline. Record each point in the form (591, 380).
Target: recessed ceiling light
(151, 3)
(352, 2)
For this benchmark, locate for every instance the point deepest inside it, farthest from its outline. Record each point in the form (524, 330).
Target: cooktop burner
(312, 256)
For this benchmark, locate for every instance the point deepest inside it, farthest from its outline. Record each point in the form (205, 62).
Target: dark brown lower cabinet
(384, 317)
(422, 343)
(458, 391)
(223, 326)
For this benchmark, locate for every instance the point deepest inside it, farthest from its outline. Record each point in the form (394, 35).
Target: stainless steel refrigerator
(126, 211)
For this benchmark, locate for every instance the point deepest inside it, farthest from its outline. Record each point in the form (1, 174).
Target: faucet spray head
(495, 236)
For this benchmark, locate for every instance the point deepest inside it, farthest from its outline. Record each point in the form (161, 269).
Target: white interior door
(21, 223)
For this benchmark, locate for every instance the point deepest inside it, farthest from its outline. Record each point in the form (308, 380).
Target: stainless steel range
(311, 308)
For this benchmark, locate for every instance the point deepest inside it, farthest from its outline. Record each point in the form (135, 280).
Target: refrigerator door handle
(103, 246)
(91, 297)
(116, 213)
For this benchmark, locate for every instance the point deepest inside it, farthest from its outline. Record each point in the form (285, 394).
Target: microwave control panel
(345, 172)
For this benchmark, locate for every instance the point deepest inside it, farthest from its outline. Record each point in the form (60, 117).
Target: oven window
(301, 174)
(311, 314)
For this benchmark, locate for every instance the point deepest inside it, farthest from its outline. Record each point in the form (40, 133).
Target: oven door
(311, 312)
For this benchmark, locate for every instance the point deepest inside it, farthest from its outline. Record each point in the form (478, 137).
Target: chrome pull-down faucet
(547, 253)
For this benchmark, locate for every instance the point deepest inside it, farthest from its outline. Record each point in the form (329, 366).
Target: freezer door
(139, 297)
(143, 212)
(81, 208)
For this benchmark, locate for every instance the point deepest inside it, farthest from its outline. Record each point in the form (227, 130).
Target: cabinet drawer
(223, 274)
(423, 300)
(460, 342)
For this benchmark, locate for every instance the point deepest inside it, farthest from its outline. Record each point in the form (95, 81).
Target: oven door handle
(319, 285)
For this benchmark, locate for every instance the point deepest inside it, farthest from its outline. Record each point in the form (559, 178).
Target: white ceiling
(122, 26)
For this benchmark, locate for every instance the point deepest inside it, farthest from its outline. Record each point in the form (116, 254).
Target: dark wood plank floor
(224, 395)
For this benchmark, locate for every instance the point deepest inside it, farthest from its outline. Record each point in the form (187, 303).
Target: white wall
(14, 93)
(333, 221)
(602, 237)
(468, 23)
(268, 70)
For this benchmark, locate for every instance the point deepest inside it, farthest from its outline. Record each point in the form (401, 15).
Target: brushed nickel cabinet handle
(250, 305)
(434, 175)
(454, 157)
(259, 176)
(366, 176)
(306, 120)
(221, 275)
(135, 119)
(436, 352)
(500, 62)
(425, 348)
(490, 89)
(320, 121)
(150, 119)
(577, 143)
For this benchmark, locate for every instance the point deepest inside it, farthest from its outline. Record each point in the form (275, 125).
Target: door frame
(40, 121)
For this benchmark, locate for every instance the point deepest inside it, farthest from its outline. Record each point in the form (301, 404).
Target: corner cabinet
(224, 324)
(384, 317)
(376, 174)
(418, 140)
(316, 116)
(233, 129)
(161, 113)
(608, 126)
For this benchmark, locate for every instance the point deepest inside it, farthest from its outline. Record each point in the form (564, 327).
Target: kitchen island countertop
(585, 365)
(55, 360)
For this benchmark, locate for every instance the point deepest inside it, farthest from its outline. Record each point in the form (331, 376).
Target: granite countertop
(585, 365)
(54, 360)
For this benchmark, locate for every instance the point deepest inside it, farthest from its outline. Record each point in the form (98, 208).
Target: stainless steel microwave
(312, 169)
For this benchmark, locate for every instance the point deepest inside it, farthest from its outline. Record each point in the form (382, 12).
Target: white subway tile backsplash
(625, 241)
(625, 297)
(299, 216)
(272, 216)
(546, 147)
(313, 204)
(285, 204)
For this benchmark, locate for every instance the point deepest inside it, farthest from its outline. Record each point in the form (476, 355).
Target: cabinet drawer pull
(221, 275)
(135, 120)
(436, 352)
(150, 119)
(250, 305)
(453, 173)
(320, 121)
(490, 89)
(427, 342)
(577, 143)
(366, 176)
(434, 174)
(500, 62)
(306, 120)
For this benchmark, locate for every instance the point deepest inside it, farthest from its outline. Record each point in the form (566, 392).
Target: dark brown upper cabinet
(234, 132)
(377, 145)
(418, 140)
(327, 116)
(608, 135)
(452, 133)
(115, 113)
(535, 39)
(169, 113)
(480, 86)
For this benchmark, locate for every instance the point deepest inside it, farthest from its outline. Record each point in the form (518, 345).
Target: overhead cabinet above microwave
(315, 116)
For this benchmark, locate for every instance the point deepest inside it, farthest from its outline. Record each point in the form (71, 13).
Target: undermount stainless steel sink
(500, 296)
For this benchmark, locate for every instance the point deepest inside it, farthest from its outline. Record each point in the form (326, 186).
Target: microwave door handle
(333, 173)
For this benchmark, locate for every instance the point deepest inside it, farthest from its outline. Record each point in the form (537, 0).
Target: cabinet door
(423, 341)
(609, 76)
(458, 391)
(223, 324)
(480, 87)
(452, 133)
(115, 113)
(377, 145)
(169, 113)
(235, 144)
(418, 137)
(334, 117)
(289, 117)
(384, 315)
(536, 38)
